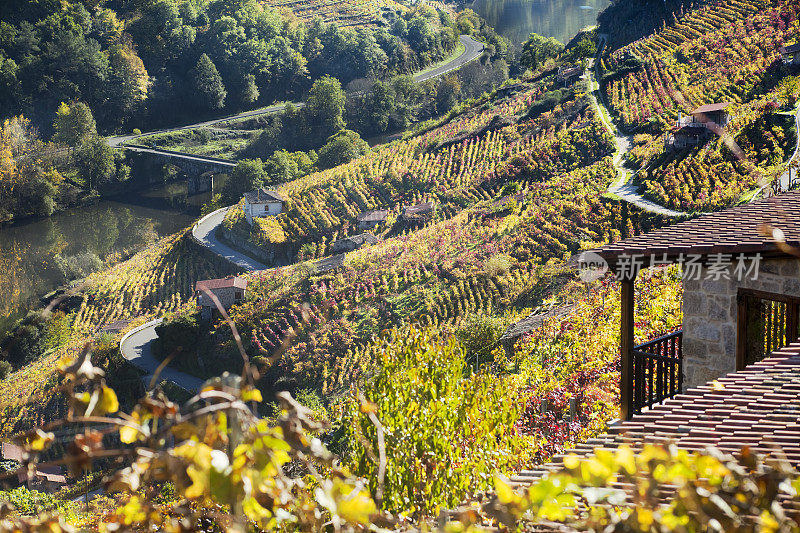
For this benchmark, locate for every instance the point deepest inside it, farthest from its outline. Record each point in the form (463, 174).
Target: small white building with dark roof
(262, 203)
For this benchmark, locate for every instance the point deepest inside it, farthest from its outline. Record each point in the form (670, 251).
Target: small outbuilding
(790, 54)
(568, 75)
(370, 219)
(228, 291)
(697, 127)
(44, 478)
(419, 212)
(348, 244)
(262, 203)
(712, 114)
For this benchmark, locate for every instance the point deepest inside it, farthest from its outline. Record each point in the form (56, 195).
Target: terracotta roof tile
(727, 419)
(732, 231)
(220, 283)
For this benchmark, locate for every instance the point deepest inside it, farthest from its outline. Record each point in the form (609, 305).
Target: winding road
(136, 345)
(623, 187)
(204, 232)
(472, 50)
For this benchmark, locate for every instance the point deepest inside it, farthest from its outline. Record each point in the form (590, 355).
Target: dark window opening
(766, 322)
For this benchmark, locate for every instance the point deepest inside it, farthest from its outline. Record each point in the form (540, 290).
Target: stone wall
(710, 312)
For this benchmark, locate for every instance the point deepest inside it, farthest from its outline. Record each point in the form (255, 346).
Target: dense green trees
(246, 176)
(207, 84)
(140, 62)
(341, 148)
(538, 49)
(73, 124)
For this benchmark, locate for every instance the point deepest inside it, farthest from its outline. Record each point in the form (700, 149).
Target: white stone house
(741, 296)
(262, 203)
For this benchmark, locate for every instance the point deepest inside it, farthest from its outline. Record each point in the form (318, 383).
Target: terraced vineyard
(720, 52)
(342, 12)
(464, 161)
(155, 281)
(713, 176)
(481, 260)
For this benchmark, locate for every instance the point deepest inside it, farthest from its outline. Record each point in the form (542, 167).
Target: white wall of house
(261, 210)
(710, 313)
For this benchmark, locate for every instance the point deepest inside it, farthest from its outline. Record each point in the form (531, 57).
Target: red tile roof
(221, 283)
(710, 108)
(735, 230)
(757, 407)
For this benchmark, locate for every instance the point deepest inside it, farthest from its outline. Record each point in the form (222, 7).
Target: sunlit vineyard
(342, 12)
(456, 165)
(713, 176)
(155, 281)
(477, 261)
(720, 52)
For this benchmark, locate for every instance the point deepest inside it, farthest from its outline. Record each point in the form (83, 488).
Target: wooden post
(626, 348)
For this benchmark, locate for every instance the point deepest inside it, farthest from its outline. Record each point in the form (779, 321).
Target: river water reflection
(515, 19)
(37, 256)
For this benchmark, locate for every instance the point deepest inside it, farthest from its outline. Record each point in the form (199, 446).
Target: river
(37, 256)
(515, 19)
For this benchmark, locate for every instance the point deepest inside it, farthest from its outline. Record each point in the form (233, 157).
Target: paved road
(623, 186)
(204, 231)
(136, 347)
(121, 139)
(472, 50)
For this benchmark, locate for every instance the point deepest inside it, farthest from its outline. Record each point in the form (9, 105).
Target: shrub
(179, 336)
(444, 427)
(479, 334)
(5, 369)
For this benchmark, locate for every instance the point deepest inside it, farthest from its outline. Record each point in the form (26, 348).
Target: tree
(130, 78)
(208, 84)
(538, 49)
(345, 146)
(96, 163)
(74, 124)
(246, 176)
(325, 107)
(248, 92)
(447, 93)
(178, 337)
(585, 48)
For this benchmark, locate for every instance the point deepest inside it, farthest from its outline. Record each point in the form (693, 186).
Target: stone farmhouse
(262, 203)
(731, 377)
(696, 128)
(228, 291)
(741, 296)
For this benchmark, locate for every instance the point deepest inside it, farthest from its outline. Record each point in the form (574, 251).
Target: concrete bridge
(200, 169)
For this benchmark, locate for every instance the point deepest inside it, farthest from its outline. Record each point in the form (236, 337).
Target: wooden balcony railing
(657, 370)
